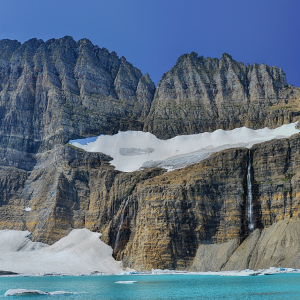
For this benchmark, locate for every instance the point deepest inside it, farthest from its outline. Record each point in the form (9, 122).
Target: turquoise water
(280, 286)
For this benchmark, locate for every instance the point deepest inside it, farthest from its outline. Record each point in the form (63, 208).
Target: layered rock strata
(51, 92)
(58, 90)
(151, 218)
(204, 94)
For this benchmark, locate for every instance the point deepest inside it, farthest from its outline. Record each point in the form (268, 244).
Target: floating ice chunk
(15, 292)
(126, 282)
(60, 293)
(132, 150)
(27, 209)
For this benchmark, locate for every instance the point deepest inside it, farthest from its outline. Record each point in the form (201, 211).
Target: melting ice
(132, 150)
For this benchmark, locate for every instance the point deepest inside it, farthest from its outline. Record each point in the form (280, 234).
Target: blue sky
(153, 34)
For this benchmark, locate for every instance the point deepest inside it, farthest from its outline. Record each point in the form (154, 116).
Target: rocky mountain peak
(226, 56)
(204, 94)
(55, 90)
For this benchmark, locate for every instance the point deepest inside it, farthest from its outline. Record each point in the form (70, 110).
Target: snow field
(132, 150)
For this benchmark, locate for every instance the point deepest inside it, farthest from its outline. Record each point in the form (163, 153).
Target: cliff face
(51, 92)
(54, 91)
(151, 218)
(58, 90)
(204, 94)
(275, 172)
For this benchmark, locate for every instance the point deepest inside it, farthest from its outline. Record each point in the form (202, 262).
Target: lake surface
(279, 286)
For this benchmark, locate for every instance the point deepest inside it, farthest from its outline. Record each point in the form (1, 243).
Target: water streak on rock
(250, 205)
(121, 223)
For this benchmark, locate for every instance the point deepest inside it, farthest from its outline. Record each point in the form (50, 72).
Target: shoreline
(237, 273)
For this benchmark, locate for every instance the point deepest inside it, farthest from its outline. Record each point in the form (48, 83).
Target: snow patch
(81, 252)
(132, 150)
(27, 209)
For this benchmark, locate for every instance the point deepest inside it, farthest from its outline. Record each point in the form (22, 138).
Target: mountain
(55, 91)
(61, 89)
(204, 94)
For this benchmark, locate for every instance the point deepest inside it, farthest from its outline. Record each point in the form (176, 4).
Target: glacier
(134, 150)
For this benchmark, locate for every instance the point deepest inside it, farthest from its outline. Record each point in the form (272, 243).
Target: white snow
(27, 209)
(132, 150)
(81, 252)
(126, 282)
(60, 293)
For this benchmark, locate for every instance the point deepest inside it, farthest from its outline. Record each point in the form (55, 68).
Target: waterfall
(120, 225)
(249, 189)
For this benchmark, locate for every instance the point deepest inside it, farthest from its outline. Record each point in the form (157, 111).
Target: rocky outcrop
(204, 94)
(151, 218)
(213, 257)
(275, 242)
(276, 246)
(54, 91)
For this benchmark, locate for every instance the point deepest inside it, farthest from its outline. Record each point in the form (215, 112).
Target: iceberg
(134, 150)
(25, 292)
(60, 293)
(16, 292)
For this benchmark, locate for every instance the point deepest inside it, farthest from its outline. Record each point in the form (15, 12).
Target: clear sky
(153, 34)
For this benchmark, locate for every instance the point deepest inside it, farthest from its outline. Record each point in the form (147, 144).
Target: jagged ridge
(60, 89)
(204, 94)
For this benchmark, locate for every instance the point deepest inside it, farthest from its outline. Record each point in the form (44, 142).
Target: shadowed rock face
(204, 94)
(58, 90)
(53, 91)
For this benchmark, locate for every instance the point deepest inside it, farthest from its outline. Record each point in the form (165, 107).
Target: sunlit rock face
(162, 217)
